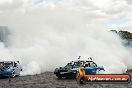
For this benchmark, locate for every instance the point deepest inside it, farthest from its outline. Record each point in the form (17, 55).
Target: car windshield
(5, 65)
(75, 64)
(78, 63)
(69, 65)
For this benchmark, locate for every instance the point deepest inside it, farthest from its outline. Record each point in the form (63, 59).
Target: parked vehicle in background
(10, 68)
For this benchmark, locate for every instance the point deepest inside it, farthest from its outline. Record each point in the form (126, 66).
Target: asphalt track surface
(49, 80)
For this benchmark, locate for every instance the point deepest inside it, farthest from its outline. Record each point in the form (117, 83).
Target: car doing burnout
(71, 69)
(10, 69)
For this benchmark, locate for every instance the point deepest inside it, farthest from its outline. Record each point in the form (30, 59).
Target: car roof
(83, 60)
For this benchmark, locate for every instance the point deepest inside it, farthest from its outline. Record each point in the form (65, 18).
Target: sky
(115, 12)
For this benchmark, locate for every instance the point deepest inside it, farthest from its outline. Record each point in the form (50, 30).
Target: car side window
(87, 64)
(90, 64)
(93, 65)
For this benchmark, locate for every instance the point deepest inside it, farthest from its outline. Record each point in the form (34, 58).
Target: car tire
(59, 77)
(13, 74)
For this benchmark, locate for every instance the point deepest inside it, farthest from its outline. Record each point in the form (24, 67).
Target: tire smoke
(46, 37)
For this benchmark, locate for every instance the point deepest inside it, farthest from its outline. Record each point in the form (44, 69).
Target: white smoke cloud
(5, 53)
(50, 35)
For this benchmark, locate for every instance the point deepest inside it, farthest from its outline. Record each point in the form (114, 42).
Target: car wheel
(59, 77)
(13, 74)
